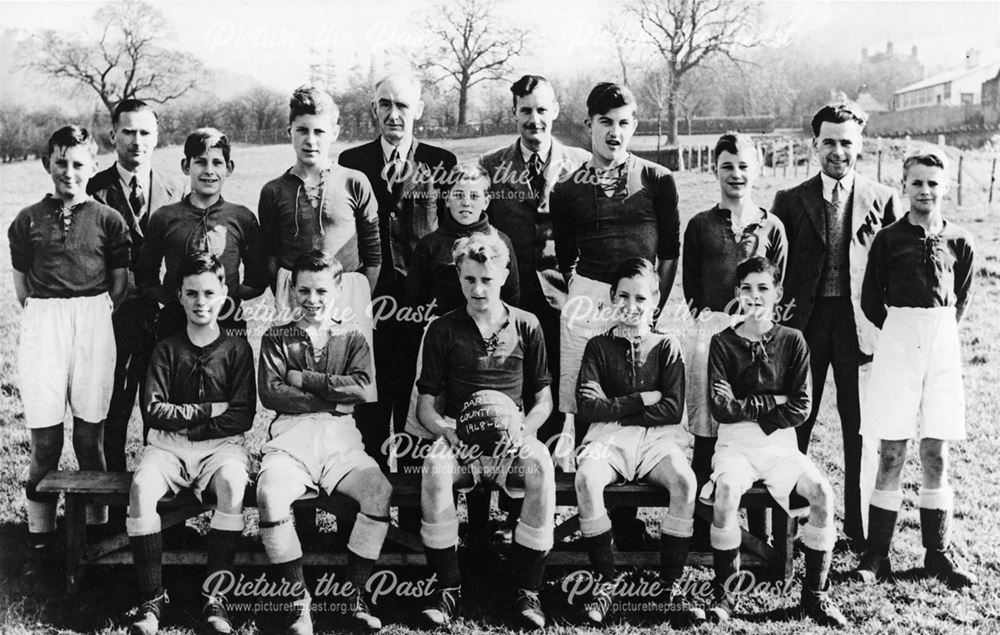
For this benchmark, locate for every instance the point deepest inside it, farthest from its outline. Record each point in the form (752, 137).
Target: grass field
(911, 604)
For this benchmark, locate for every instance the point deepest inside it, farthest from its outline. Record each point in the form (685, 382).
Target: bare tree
(470, 41)
(126, 61)
(687, 33)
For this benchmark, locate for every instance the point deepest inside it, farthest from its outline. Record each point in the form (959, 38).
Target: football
(489, 419)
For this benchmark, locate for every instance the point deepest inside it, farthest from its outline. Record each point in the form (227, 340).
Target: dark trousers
(533, 301)
(134, 339)
(832, 338)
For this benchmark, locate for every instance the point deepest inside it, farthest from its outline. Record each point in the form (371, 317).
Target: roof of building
(950, 76)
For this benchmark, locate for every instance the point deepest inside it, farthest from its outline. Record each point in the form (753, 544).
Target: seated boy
(485, 344)
(312, 373)
(69, 256)
(201, 398)
(759, 373)
(202, 222)
(631, 394)
(916, 289)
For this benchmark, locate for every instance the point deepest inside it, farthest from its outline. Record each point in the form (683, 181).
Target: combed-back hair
(199, 142)
(838, 112)
(607, 96)
(527, 85)
(733, 143)
(636, 268)
(486, 249)
(757, 264)
(130, 105)
(70, 136)
(199, 263)
(311, 100)
(317, 260)
(932, 158)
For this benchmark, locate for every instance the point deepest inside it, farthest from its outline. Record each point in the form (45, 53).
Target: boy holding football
(69, 256)
(916, 289)
(201, 399)
(313, 371)
(486, 344)
(759, 374)
(203, 221)
(631, 394)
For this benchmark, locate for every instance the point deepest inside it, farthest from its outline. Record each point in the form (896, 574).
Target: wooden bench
(403, 548)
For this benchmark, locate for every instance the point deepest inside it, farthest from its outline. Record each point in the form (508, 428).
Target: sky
(273, 42)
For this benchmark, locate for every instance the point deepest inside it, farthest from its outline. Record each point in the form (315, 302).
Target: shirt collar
(829, 182)
(543, 152)
(403, 147)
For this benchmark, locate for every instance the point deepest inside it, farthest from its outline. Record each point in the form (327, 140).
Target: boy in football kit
(916, 289)
(203, 221)
(69, 255)
(759, 373)
(313, 371)
(485, 344)
(201, 399)
(715, 242)
(319, 205)
(631, 394)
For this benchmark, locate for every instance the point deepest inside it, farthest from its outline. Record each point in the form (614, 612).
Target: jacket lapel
(815, 206)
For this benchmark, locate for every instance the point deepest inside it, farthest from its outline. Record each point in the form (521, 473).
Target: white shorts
(496, 472)
(413, 425)
(316, 449)
(67, 353)
(186, 464)
(916, 388)
(746, 455)
(352, 308)
(696, 338)
(587, 313)
(632, 451)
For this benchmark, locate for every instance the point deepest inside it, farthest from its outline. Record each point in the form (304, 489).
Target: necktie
(392, 170)
(136, 199)
(835, 197)
(535, 172)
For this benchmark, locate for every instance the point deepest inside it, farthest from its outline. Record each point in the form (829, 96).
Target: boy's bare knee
(588, 482)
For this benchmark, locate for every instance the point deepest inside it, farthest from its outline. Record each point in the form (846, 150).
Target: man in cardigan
(523, 175)
(136, 190)
(831, 220)
(408, 177)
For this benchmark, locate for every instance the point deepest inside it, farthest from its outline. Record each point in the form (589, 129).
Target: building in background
(956, 87)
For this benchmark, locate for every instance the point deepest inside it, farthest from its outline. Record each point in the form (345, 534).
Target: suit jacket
(407, 211)
(524, 215)
(106, 187)
(802, 210)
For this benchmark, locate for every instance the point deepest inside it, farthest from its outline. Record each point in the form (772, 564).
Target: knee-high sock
(882, 513)
(441, 547)
(599, 539)
(725, 554)
(675, 542)
(283, 549)
(41, 508)
(147, 553)
(531, 546)
(817, 545)
(223, 539)
(364, 547)
(935, 517)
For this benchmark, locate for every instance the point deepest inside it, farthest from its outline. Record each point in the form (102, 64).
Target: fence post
(879, 177)
(961, 157)
(993, 179)
(680, 158)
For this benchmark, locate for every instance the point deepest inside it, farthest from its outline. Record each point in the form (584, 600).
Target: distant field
(909, 605)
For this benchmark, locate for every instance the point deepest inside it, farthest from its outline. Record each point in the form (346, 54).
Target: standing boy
(407, 177)
(759, 372)
(631, 395)
(312, 373)
(203, 222)
(201, 399)
(917, 288)
(136, 190)
(69, 256)
(715, 242)
(486, 344)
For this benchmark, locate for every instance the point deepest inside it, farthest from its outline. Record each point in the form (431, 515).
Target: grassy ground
(912, 604)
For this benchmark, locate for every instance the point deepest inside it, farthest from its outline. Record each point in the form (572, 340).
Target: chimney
(913, 52)
(888, 48)
(972, 58)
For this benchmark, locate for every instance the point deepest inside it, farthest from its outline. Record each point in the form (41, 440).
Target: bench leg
(784, 527)
(76, 538)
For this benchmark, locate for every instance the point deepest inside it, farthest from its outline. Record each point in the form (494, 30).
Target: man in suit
(830, 221)
(136, 190)
(523, 175)
(408, 178)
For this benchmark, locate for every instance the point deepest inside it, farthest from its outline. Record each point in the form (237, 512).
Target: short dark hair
(636, 268)
(733, 143)
(311, 100)
(199, 141)
(317, 260)
(69, 136)
(607, 96)
(130, 105)
(839, 112)
(931, 158)
(757, 264)
(198, 263)
(527, 85)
